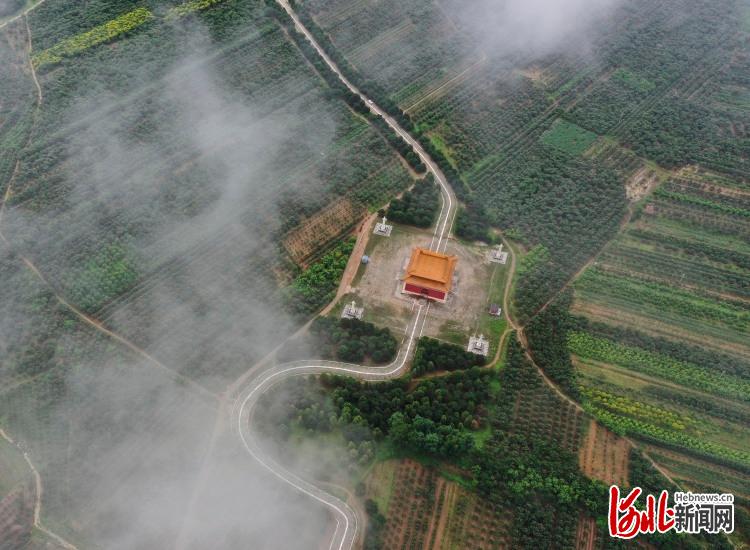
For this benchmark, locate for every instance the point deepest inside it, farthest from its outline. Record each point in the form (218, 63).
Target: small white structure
(382, 228)
(498, 256)
(479, 346)
(351, 311)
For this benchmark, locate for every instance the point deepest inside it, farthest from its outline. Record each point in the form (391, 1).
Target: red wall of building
(429, 292)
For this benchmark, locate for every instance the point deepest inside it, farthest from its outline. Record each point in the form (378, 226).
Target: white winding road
(347, 525)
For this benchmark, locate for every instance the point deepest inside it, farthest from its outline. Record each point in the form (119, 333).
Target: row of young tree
(473, 210)
(680, 351)
(352, 99)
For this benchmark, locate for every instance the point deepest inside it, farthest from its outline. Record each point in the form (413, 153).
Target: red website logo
(626, 521)
(692, 513)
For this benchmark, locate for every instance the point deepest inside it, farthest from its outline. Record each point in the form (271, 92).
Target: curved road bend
(347, 525)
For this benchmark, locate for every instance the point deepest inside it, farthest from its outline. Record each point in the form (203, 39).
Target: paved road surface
(347, 524)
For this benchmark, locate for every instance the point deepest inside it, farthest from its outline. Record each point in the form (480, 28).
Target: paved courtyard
(378, 285)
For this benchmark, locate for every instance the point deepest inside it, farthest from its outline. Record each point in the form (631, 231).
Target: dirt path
(39, 487)
(434, 517)
(39, 490)
(585, 533)
(506, 310)
(527, 350)
(182, 539)
(39, 96)
(448, 501)
(24, 13)
(345, 285)
(343, 288)
(509, 285)
(97, 325)
(623, 224)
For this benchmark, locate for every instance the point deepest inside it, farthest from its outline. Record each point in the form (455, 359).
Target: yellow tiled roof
(430, 269)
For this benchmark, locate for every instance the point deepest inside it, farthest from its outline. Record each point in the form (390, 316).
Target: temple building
(429, 274)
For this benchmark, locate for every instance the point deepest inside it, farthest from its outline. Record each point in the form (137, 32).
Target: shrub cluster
(433, 355)
(417, 206)
(353, 340)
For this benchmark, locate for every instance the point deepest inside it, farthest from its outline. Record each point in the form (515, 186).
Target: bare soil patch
(320, 229)
(604, 456)
(640, 183)
(536, 74)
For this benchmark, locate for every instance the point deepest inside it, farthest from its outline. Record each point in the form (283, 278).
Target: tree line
(433, 355)
(473, 209)
(353, 100)
(353, 340)
(417, 206)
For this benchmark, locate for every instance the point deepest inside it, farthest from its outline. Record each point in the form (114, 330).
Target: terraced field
(664, 316)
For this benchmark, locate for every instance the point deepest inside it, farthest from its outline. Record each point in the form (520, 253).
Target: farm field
(180, 181)
(128, 266)
(151, 180)
(661, 345)
(68, 415)
(425, 510)
(496, 118)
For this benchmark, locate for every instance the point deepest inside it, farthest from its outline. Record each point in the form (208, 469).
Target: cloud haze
(532, 27)
(185, 173)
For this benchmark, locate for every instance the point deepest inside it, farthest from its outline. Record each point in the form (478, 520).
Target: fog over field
(138, 473)
(137, 469)
(534, 27)
(139, 453)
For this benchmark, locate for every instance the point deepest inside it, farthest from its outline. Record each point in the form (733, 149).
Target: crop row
(702, 203)
(98, 35)
(709, 221)
(664, 266)
(713, 192)
(631, 426)
(655, 364)
(665, 298)
(623, 405)
(695, 245)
